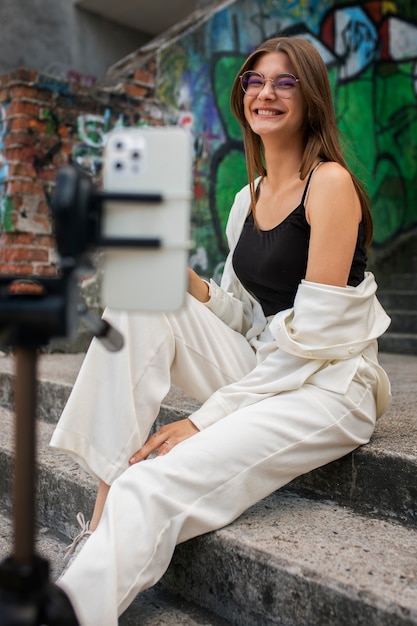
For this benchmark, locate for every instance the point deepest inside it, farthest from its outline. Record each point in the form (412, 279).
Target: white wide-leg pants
(205, 482)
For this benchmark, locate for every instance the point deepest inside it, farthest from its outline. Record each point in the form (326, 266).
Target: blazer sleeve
(321, 340)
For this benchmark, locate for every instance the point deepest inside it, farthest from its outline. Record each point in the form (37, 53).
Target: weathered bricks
(40, 131)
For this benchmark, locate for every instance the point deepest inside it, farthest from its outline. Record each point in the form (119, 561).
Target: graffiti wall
(370, 49)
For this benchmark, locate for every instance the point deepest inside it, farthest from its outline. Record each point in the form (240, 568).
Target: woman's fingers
(165, 439)
(153, 444)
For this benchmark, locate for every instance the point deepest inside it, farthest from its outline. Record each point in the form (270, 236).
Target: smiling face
(267, 113)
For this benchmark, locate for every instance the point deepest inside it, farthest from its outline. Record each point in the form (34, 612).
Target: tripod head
(140, 222)
(34, 310)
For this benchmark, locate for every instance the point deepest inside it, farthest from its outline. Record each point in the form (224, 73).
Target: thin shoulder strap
(306, 188)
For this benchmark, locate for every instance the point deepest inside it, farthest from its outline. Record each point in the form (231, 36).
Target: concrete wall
(54, 36)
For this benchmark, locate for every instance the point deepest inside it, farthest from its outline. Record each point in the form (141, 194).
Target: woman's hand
(197, 287)
(165, 439)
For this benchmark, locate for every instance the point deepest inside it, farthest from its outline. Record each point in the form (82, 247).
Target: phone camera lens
(119, 145)
(118, 165)
(136, 155)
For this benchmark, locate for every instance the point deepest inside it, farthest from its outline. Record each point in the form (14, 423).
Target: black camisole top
(270, 264)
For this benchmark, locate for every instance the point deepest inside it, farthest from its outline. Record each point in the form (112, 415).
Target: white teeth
(267, 112)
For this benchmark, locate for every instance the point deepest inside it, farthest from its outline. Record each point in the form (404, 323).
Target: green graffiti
(231, 176)
(224, 70)
(52, 121)
(6, 214)
(90, 131)
(395, 174)
(229, 162)
(382, 135)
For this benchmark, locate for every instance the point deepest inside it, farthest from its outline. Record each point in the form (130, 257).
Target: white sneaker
(78, 542)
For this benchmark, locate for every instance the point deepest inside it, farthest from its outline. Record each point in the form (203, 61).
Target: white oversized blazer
(321, 340)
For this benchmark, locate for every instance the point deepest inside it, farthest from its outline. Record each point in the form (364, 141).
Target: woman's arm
(197, 287)
(333, 211)
(230, 301)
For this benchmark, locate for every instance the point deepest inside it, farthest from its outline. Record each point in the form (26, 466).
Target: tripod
(32, 311)
(27, 597)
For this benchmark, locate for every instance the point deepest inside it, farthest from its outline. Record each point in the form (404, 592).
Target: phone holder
(32, 311)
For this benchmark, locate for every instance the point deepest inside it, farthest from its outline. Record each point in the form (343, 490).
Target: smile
(267, 112)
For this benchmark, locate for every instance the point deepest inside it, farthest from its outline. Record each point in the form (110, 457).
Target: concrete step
(293, 561)
(398, 299)
(63, 487)
(56, 376)
(154, 607)
(403, 321)
(378, 478)
(290, 560)
(398, 343)
(403, 281)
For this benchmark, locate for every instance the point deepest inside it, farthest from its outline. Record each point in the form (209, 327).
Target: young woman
(283, 355)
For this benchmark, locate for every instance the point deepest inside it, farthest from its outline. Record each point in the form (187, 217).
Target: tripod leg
(27, 598)
(57, 609)
(25, 467)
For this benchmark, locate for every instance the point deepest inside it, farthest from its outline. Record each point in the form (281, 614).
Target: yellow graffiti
(299, 7)
(388, 7)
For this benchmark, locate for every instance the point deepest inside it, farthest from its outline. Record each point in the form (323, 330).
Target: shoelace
(85, 532)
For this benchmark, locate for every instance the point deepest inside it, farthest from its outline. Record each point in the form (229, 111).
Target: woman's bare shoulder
(332, 187)
(332, 173)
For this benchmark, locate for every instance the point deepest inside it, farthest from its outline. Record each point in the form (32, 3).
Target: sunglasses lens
(252, 82)
(285, 83)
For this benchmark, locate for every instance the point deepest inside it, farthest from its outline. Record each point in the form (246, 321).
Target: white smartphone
(148, 271)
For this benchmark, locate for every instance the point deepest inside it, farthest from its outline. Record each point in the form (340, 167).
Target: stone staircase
(337, 547)
(397, 278)
(399, 299)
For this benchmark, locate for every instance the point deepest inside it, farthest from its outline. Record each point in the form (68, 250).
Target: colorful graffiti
(91, 131)
(66, 73)
(370, 49)
(375, 98)
(6, 206)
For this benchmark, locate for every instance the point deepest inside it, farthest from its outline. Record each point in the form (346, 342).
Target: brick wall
(45, 123)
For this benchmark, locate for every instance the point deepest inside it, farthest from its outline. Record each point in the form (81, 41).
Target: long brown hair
(321, 133)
